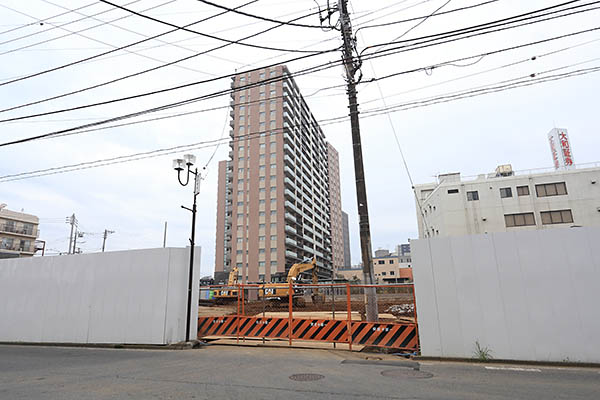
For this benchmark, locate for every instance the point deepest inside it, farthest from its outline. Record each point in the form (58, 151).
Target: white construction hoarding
(135, 296)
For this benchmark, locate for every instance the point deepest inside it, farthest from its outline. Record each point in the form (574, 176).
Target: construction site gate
(333, 313)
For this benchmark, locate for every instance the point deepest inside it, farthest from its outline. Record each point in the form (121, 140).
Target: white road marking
(514, 369)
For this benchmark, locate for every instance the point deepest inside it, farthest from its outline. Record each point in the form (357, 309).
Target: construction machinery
(280, 292)
(228, 294)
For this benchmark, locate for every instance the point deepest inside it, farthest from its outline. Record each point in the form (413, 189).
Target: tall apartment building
(274, 198)
(335, 207)
(509, 200)
(18, 232)
(346, 235)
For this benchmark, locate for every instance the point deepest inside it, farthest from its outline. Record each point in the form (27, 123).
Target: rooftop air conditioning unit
(504, 170)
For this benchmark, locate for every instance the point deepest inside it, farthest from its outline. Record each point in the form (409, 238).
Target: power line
(499, 86)
(143, 71)
(54, 27)
(215, 94)
(113, 46)
(254, 16)
(256, 46)
(41, 21)
(491, 24)
(363, 26)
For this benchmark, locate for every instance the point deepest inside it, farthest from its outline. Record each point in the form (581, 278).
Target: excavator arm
(297, 269)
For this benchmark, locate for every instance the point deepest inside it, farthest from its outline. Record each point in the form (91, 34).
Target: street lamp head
(190, 159)
(178, 164)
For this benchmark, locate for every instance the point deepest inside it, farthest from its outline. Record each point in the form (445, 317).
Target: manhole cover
(406, 373)
(306, 377)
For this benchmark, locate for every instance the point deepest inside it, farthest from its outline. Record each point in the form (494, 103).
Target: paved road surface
(227, 372)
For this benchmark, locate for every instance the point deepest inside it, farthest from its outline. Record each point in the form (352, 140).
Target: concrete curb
(513, 362)
(194, 344)
(406, 364)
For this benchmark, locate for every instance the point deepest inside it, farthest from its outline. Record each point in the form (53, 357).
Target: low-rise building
(507, 200)
(18, 232)
(388, 268)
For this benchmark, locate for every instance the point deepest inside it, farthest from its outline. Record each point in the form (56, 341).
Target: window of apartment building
(242, 98)
(273, 249)
(240, 203)
(273, 226)
(383, 273)
(272, 115)
(273, 166)
(452, 191)
(240, 240)
(261, 95)
(261, 264)
(473, 195)
(273, 189)
(523, 190)
(261, 214)
(273, 201)
(242, 79)
(392, 273)
(242, 109)
(262, 126)
(241, 130)
(391, 261)
(261, 251)
(272, 73)
(381, 262)
(505, 192)
(273, 213)
(272, 103)
(240, 227)
(273, 237)
(261, 238)
(272, 125)
(7, 243)
(261, 169)
(551, 189)
(261, 190)
(261, 116)
(273, 147)
(523, 219)
(238, 252)
(273, 263)
(556, 217)
(262, 146)
(262, 75)
(240, 170)
(272, 93)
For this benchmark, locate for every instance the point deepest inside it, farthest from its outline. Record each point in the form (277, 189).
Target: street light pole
(178, 166)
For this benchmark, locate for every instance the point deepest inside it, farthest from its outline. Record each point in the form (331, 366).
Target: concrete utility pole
(77, 234)
(106, 232)
(71, 220)
(165, 236)
(361, 192)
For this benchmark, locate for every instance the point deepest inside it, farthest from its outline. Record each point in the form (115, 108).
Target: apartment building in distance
(18, 232)
(346, 235)
(275, 192)
(508, 200)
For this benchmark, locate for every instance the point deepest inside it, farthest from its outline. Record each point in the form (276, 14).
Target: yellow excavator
(228, 294)
(280, 291)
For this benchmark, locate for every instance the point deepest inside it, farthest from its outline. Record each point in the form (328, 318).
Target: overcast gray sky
(471, 135)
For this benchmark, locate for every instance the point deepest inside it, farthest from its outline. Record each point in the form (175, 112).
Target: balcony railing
(19, 231)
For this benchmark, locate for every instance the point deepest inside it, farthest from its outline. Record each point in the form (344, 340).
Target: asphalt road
(228, 372)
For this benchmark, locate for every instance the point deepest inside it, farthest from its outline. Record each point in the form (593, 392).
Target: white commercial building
(508, 200)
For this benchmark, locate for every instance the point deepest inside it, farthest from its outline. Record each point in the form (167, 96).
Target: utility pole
(106, 232)
(77, 234)
(71, 220)
(361, 192)
(165, 236)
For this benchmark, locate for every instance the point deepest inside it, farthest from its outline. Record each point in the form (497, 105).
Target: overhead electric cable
(256, 16)
(78, 33)
(49, 29)
(149, 69)
(363, 26)
(488, 24)
(211, 143)
(47, 18)
(256, 46)
(106, 53)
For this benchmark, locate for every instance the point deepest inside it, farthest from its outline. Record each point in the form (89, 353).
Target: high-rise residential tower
(335, 205)
(346, 236)
(274, 200)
